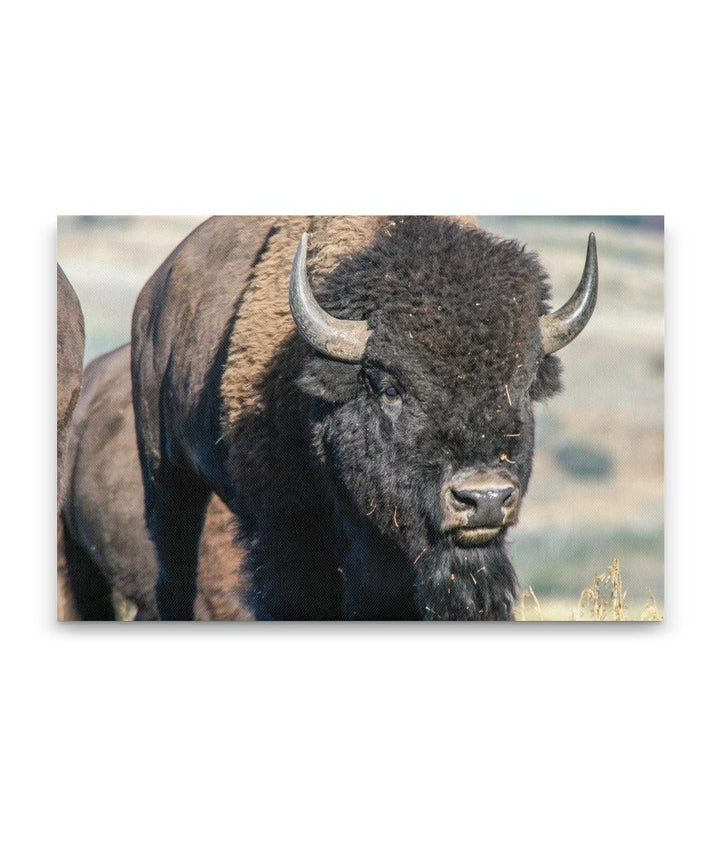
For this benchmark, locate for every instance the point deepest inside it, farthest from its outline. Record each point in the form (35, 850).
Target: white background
(359, 739)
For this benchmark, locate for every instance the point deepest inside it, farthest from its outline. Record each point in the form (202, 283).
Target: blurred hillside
(597, 487)
(108, 260)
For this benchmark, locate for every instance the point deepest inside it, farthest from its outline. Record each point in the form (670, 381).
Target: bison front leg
(377, 580)
(179, 503)
(295, 574)
(90, 589)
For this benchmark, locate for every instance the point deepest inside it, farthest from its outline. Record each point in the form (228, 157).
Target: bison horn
(560, 328)
(334, 337)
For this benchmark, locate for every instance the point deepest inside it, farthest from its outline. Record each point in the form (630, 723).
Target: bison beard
(443, 583)
(470, 585)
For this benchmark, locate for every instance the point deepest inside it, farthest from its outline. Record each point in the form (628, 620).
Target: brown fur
(265, 304)
(70, 349)
(223, 586)
(189, 292)
(264, 307)
(105, 545)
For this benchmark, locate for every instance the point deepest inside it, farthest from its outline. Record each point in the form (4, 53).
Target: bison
(105, 545)
(374, 437)
(70, 350)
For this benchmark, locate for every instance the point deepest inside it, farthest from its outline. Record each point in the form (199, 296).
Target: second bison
(104, 548)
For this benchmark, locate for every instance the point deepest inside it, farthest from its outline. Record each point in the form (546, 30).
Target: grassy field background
(597, 486)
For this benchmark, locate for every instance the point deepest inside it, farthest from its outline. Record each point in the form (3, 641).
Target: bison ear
(548, 380)
(328, 381)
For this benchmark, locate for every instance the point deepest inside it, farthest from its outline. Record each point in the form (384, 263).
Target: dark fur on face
(448, 380)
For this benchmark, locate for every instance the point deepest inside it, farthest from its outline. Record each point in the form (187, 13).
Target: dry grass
(605, 599)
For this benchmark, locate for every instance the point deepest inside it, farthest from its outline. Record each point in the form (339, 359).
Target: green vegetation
(583, 461)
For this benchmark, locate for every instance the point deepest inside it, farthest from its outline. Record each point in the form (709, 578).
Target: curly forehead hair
(456, 300)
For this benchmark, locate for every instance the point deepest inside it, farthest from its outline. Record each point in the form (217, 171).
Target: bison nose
(479, 500)
(483, 503)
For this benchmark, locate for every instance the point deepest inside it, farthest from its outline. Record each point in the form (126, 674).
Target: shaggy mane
(264, 305)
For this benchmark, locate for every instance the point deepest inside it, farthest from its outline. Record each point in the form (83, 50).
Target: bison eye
(385, 389)
(390, 400)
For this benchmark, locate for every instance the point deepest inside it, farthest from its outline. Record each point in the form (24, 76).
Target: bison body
(374, 450)
(70, 351)
(105, 544)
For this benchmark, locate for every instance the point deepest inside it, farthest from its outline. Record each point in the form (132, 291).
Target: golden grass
(605, 599)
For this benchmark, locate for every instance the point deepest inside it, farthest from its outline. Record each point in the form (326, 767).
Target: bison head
(423, 372)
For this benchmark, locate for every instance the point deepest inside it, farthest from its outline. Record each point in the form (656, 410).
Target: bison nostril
(463, 499)
(508, 497)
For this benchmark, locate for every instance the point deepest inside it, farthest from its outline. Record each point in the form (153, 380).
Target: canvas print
(335, 418)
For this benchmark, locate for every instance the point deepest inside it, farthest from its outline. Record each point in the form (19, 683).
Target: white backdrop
(359, 739)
